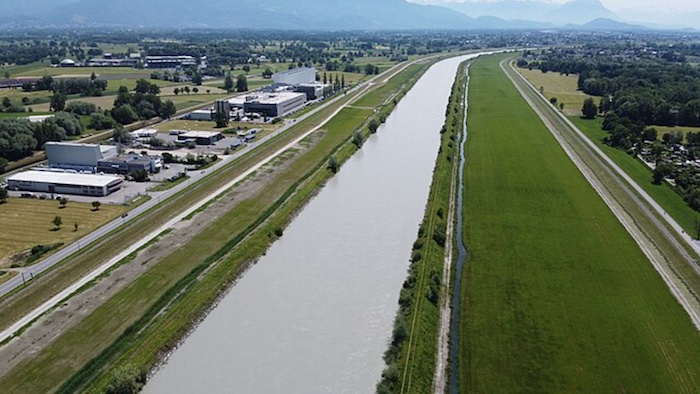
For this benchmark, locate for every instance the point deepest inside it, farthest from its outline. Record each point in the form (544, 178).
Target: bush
(81, 108)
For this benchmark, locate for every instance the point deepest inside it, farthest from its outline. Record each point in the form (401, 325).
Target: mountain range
(310, 14)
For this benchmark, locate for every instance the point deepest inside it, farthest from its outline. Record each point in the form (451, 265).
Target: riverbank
(411, 356)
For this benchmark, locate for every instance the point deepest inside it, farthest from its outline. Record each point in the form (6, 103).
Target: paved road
(156, 198)
(633, 207)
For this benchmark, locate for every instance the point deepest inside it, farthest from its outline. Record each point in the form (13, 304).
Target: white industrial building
(143, 134)
(201, 114)
(74, 156)
(296, 76)
(273, 104)
(64, 183)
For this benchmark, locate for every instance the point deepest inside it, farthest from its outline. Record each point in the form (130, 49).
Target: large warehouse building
(64, 183)
(273, 104)
(296, 76)
(80, 157)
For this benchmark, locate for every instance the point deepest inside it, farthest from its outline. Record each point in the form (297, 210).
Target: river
(315, 314)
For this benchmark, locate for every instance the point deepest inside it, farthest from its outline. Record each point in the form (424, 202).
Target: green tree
(553, 100)
(58, 102)
(241, 83)
(589, 110)
(125, 114)
(195, 90)
(373, 126)
(3, 164)
(358, 139)
(246, 68)
(267, 74)
(661, 171)
(221, 119)
(197, 79)
(187, 89)
(228, 82)
(176, 91)
(63, 202)
(3, 195)
(127, 380)
(120, 135)
(57, 222)
(333, 164)
(96, 205)
(168, 109)
(75, 226)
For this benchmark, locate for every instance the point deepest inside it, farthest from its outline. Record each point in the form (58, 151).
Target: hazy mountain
(532, 10)
(609, 24)
(573, 12)
(281, 14)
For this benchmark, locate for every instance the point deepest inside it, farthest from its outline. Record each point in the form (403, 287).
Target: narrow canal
(314, 315)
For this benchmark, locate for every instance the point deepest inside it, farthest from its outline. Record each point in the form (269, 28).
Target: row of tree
(19, 137)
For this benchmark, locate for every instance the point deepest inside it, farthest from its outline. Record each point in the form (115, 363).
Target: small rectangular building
(312, 90)
(143, 134)
(201, 114)
(201, 137)
(64, 183)
(130, 164)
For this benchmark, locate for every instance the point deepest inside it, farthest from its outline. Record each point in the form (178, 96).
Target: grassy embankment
(411, 355)
(557, 295)
(664, 194)
(28, 222)
(134, 337)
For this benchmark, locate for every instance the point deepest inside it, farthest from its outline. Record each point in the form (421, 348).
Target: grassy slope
(664, 194)
(558, 297)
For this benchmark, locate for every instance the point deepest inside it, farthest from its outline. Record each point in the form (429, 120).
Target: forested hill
(263, 14)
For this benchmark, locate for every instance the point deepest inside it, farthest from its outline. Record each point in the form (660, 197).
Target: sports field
(557, 296)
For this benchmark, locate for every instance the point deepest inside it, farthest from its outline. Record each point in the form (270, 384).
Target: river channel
(315, 314)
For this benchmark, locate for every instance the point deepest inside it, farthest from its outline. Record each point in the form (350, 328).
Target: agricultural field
(36, 227)
(80, 72)
(557, 296)
(563, 87)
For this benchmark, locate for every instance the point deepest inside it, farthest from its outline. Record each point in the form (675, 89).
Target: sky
(616, 5)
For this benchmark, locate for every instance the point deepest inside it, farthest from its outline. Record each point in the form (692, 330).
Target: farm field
(557, 296)
(36, 227)
(563, 87)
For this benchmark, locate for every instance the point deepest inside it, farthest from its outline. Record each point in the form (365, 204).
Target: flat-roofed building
(274, 104)
(130, 164)
(312, 90)
(201, 137)
(75, 156)
(296, 76)
(201, 114)
(64, 183)
(170, 61)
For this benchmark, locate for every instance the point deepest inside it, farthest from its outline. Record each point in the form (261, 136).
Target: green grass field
(563, 87)
(557, 296)
(35, 217)
(664, 194)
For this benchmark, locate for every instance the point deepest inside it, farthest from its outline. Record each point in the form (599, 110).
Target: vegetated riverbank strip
(448, 337)
(90, 257)
(411, 356)
(557, 295)
(205, 288)
(670, 250)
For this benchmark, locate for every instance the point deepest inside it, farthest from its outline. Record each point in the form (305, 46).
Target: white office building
(296, 76)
